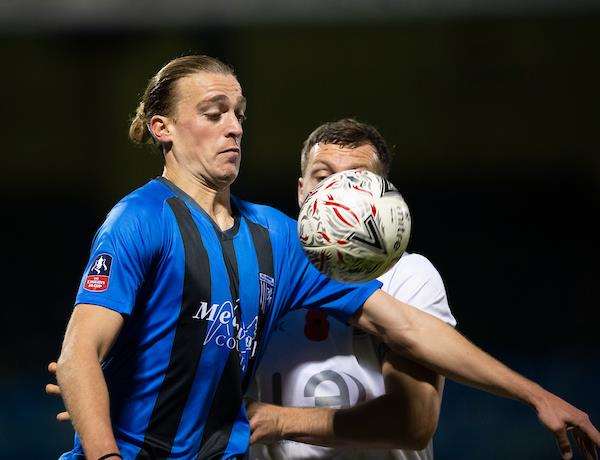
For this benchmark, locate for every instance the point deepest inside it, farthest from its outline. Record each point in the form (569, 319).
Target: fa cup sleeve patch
(99, 275)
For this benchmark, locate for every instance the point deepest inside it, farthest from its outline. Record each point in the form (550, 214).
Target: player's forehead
(340, 158)
(209, 88)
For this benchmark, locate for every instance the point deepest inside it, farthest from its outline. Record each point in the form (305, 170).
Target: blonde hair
(159, 96)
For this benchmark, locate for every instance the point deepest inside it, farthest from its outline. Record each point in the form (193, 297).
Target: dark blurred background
(492, 110)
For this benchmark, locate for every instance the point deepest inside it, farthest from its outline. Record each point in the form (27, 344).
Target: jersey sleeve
(306, 287)
(422, 288)
(121, 255)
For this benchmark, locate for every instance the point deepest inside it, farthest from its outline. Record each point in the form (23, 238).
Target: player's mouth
(230, 155)
(231, 150)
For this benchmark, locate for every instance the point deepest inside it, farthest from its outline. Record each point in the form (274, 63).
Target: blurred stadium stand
(28, 15)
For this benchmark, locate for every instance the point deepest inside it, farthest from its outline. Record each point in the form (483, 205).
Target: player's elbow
(416, 433)
(74, 356)
(420, 438)
(410, 433)
(68, 359)
(63, 366)
(408, 440)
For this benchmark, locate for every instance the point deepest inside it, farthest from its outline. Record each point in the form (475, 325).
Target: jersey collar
(224, 235)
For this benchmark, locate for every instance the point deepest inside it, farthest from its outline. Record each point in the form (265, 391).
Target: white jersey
(314, 361)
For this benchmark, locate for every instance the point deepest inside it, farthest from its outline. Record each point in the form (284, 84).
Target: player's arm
(404, 418)
(90, 333)
(428, 340)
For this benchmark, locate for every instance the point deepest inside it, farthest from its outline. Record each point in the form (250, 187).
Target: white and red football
(354, 226)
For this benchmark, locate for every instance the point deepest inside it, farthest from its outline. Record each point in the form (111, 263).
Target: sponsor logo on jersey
(225, 331)
(98, 277)
(340, 398)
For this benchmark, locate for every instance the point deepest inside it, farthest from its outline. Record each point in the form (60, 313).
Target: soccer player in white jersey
(384, 406)
(324, 384)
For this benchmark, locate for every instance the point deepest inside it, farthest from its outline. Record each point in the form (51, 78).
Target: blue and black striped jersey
(199, 305)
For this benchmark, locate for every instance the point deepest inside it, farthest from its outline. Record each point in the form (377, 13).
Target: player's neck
(215, 202)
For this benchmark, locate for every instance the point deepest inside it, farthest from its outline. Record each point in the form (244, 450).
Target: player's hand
(560, 417)
(54, 390)
(265, 422)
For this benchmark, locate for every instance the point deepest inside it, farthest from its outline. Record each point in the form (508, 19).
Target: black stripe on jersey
(228, 396)
(276, 386)
(188, 342)
(264, 253)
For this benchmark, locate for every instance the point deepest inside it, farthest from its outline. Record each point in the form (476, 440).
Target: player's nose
(234, 127)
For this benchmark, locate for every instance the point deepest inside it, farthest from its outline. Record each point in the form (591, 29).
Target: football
(354, 225)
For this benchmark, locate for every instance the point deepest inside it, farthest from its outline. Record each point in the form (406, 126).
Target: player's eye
(241, 117)
(213, 116)
(320, 177)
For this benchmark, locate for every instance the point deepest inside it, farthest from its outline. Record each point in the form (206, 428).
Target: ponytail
(139, 130)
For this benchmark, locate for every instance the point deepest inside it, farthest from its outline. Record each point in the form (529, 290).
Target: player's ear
(301, 194)
(159, 127)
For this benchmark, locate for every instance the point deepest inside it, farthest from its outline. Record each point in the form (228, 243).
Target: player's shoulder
(143, 205)
(415, 280)
(416, 262)
(413, 265)
(149, 197)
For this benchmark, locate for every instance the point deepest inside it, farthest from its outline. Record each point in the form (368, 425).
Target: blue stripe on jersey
(240, 435)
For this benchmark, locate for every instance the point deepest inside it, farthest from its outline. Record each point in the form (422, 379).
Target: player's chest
(227, 286)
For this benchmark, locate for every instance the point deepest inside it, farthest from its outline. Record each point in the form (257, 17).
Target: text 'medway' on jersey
(199, 305)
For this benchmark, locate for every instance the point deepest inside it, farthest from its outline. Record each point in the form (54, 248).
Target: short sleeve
(416, 282)
(121, 254)
(309, 288)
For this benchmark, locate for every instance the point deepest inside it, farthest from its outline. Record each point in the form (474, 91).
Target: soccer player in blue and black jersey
(185, 283)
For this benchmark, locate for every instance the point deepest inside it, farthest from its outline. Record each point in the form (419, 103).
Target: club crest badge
(99, 275)
(267, 287)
